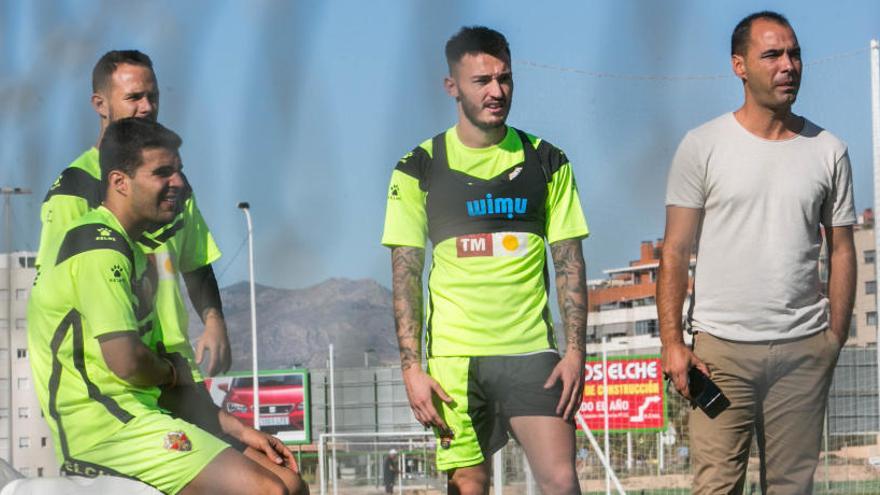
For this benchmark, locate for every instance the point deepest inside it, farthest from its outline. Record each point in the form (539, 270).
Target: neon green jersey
(181, 246)
(488, 290)
(95, 288)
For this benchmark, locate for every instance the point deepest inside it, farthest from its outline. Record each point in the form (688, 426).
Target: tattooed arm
(407, 265)
(571, 290)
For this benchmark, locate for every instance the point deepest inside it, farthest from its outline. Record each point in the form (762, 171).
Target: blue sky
(303, 107)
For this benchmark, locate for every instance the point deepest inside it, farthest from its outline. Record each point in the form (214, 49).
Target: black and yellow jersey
(488, 212)
(93, 288)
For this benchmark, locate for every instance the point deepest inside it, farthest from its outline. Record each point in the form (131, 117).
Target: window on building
(23, 383)
(645, 301)
(4, 412)
(24, 442)
(20, 324)
(871, 318)
(871, 287)
(646, 327)
(870, 254)
(21, 294)
(39, 472)
(44, 441)
(852, 326)
(22, 353)
(24, 412)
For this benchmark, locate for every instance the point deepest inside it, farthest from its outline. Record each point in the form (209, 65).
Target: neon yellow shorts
(486, 392)
(156, 449)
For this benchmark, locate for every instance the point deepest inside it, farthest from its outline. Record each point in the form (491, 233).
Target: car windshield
(293, 380)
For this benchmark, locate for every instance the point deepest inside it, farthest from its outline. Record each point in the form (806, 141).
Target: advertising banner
(284, 401)
(636, 399)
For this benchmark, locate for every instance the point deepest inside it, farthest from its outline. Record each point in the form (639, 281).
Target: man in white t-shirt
(756, 189)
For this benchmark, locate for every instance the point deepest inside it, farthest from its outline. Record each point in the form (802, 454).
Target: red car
(282, 405)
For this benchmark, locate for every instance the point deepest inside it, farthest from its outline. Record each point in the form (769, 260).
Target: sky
(302, 108)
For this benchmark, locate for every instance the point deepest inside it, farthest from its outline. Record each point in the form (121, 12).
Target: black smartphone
(705, 394)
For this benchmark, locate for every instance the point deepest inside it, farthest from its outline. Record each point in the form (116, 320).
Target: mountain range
(296, 326)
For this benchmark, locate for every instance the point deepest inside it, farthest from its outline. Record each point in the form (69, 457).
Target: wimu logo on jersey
(497, 206)
(513, 244)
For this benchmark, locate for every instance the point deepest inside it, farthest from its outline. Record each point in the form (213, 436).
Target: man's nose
(145, 107)
(495, 89)
(176, 180)
(787, 62)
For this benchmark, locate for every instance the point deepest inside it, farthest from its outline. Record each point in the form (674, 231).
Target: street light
(246, 208)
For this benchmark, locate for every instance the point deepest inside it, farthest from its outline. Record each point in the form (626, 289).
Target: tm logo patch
(498, 244)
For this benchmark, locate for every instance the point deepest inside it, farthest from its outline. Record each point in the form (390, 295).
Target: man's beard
(471, 113)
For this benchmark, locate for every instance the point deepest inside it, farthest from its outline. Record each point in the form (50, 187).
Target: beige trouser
(777, 390)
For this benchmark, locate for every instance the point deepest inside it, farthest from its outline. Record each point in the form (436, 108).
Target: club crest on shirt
(515, 173)
(177, 440)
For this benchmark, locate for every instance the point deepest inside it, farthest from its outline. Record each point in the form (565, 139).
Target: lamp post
(246, 208)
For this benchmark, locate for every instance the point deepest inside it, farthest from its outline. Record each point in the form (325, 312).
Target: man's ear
(118, 182)
(738, 63)
(450, 86)
(99, 103)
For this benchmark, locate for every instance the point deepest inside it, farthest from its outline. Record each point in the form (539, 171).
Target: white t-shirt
(763, 203)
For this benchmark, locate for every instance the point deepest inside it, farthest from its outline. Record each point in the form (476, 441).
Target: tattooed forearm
(571, 290)
(407, 264)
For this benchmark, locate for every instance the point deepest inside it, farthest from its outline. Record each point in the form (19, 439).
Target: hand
(569, 369)
(181, 370)
(215, 343)
(676, 360)
(420, 389)
(274, 448)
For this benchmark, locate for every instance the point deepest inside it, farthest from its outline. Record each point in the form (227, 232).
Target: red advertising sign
(635, 394)
(283, 397)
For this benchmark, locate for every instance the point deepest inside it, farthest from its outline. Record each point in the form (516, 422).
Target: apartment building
(25, 439)
(623, 304)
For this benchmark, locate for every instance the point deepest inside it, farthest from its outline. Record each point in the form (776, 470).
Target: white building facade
(25, 439)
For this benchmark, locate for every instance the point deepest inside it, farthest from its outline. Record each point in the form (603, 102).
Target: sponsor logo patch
(514, 244)
(490, 206)
(177, 440)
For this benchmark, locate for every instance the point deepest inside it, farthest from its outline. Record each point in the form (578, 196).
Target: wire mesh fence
(645, 462)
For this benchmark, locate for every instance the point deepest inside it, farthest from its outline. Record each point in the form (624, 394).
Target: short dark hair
(124, 141)
(476, 39)
(108, 63)
(739, 40)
